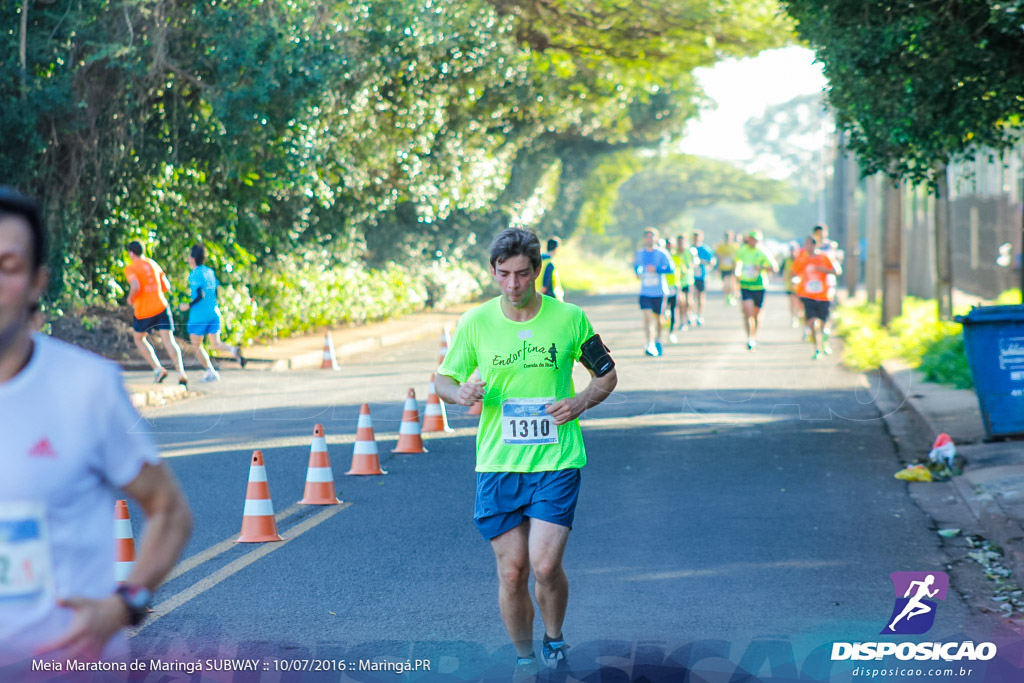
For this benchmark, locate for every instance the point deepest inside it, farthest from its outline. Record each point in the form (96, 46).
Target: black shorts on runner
(160, 321)
(698, 284)
(813, 308)
(651, 303)
(755, 295)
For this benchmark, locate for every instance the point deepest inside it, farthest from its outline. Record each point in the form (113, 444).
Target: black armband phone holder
(594, 356)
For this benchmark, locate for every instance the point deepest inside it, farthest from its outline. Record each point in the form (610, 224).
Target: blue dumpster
(994, 342)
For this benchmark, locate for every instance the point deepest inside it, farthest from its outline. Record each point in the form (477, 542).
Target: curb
(996, 525)
(313, 359)
(998, 528)
(143, 398)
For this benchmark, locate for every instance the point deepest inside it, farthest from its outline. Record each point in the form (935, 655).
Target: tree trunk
(892, 275)
(23, 48)
(943, 245)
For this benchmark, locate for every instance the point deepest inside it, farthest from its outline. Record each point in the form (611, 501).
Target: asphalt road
(738, 510)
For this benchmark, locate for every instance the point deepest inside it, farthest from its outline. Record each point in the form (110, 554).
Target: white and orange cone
(435, 419)
(258, 523)
(410, 439)
(319, 475)
(365, 457)
(478, 407)
(124, 542)
(445, 340)
(330, 361)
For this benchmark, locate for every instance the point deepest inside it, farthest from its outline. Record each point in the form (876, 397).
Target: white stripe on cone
(409, 428)
(123, 528)
(122, 570)
(258, 508)
(319, 445)
(365, 448)
(319, 475)
(257, 473)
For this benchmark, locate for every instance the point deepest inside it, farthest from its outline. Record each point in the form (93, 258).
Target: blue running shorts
(204, 327)
(505, 499)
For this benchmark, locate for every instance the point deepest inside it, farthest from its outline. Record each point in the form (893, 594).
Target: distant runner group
(673, 278)
(147, 289)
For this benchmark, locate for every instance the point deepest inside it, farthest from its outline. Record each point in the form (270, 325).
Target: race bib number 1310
(525, 423)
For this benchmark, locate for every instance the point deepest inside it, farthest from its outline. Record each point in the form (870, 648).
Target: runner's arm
(133, 289)
(569, 409)
(168, 526)
(464, 394)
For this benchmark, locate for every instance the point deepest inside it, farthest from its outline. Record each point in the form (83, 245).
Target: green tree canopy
(641, 191)
(915, 84)
(338, 130)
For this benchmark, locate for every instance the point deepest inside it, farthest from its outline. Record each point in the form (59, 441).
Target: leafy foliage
(915, 84)
(309, 139)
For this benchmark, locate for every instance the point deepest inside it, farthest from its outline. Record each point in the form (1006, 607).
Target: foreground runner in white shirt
(71, 441)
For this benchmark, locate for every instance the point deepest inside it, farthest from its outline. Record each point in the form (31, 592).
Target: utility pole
(840, 181)
(892, 270)
(943, 245)
(873, 228)
(851, 267)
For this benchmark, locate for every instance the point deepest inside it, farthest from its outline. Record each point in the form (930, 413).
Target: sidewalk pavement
(992, 484)
(294, 353)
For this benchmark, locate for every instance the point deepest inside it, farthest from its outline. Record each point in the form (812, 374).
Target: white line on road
(195, 590)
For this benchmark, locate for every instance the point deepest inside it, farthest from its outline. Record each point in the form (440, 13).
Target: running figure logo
(554, 355)
(914, 610)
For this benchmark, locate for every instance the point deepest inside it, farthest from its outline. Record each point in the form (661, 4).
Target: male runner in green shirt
(753, 265)
(529, 448)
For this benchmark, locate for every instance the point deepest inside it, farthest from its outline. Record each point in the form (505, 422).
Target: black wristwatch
(137, 599)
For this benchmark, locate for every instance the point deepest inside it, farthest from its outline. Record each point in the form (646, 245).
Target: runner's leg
(174, 351)
(196, 341)
(551, 585)
(146, 349)
(512, 554)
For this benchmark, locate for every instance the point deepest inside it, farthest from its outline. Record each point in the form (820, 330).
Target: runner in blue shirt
(705, 260)
(651, 266)
(204, 313)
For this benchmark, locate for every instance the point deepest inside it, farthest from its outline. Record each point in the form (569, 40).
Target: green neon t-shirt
(749, 261)
(522, 362)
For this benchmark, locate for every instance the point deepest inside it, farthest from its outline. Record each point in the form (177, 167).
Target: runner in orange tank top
(817, 271)
(146, 286)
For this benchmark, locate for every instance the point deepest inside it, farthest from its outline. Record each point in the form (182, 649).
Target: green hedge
(917, 337)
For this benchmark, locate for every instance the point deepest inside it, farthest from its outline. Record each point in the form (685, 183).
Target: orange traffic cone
(445, 339)
(477, 407)
(330, 361)
(435, 419)
(365, 458)
(409, 437)
(258, 523)
(124, 542)
(319, 476)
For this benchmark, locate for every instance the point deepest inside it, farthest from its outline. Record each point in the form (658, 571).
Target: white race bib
(525, 423)
(26, 569)
(815, 286)
(650, 279)
(751, 271)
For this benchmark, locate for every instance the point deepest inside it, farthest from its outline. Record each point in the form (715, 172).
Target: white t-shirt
(69, 438)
